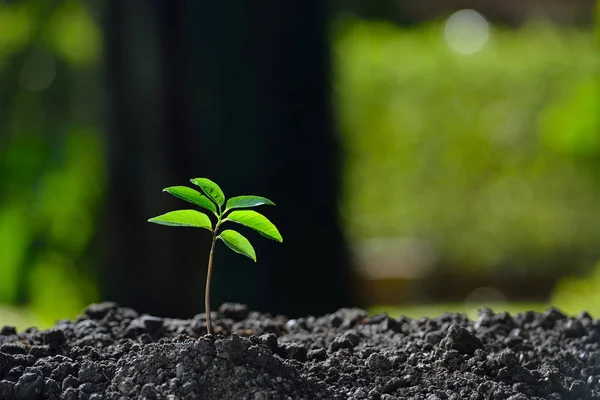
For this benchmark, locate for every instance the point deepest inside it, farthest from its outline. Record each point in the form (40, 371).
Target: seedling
(213, 200)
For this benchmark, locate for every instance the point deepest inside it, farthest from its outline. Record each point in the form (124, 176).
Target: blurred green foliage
(576, 293)
(51, 163)
(490, 158)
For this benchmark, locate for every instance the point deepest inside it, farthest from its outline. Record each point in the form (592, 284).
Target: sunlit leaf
(238, 243)
(247, 201)
(256, 221)
(192, 196)
(211, 189)
(190, 218)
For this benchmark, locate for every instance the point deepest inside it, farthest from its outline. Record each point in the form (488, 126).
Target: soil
(114, 353)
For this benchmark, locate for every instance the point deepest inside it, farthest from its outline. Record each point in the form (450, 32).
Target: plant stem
(208, 277)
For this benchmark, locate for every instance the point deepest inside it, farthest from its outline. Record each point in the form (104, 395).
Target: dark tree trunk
(240, 95)
(150, 146)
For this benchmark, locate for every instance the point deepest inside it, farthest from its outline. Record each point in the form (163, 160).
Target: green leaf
(211, 189)
(247, 201)
(238, 243)
(192, 196)
(191, 218)
(256, 221)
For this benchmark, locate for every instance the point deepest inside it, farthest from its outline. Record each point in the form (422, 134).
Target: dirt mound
(114, 353)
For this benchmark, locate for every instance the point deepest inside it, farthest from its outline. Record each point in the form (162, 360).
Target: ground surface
(113, 353)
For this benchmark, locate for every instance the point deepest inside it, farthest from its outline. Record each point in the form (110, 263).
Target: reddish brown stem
(208, 278)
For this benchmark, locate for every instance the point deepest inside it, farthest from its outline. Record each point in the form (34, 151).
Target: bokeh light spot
(15, 27)
(466, 32)
(74, 35)
(38, 72)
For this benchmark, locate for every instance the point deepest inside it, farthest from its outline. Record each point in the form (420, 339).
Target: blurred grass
(20, 317)
(435, 310)
(579, 292)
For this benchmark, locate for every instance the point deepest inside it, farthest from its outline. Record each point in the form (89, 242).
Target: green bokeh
(491, 158)
(51, 159)
(484, 157)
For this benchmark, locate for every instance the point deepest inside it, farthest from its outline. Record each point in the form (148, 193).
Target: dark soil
(114, 353)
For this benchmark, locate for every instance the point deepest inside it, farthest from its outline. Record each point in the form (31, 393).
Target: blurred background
(424, 155)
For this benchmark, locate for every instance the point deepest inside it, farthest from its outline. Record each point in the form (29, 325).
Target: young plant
(213, 200)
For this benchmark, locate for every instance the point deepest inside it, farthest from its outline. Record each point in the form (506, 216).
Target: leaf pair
(192, 196)
(213, 200)
(211, 189)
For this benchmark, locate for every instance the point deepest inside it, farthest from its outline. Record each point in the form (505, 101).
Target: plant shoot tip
(213, 200)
